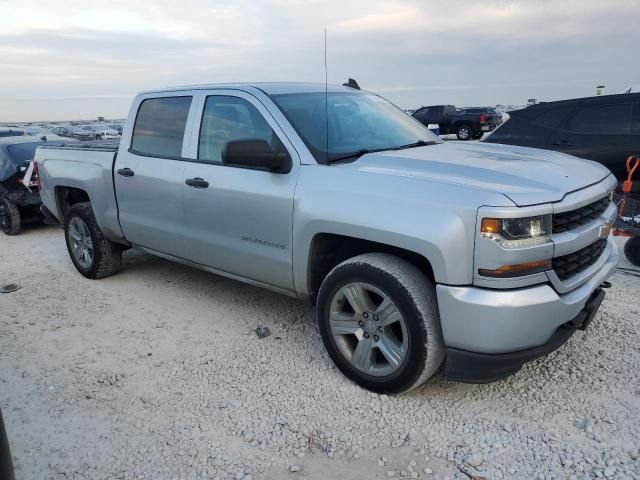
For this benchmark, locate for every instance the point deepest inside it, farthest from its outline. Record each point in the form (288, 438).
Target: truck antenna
(326, 92)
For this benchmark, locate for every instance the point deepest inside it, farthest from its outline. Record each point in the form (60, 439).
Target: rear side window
(552, 118)
(230, 118)
(604, 120)
(160, 125)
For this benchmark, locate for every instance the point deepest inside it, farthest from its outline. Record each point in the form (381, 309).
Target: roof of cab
(269, 88)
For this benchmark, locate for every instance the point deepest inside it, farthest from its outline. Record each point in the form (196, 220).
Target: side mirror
(255, 153)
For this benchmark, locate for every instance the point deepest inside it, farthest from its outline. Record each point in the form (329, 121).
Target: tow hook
(605, 285)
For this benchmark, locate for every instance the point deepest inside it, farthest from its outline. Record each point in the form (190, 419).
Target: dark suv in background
(605, 129)
(466, 123)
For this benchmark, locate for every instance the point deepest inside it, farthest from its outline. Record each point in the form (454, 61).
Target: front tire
(93, 255)
(378, 318)
(632, 250)
(10, 221)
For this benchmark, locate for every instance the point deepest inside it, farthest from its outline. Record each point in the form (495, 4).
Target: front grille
(569, 265)
(569, 220)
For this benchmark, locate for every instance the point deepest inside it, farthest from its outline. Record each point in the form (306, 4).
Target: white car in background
(96, 131)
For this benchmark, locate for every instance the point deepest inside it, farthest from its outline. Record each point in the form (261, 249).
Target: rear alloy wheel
(632, 250)
(10, 222)
(378, 317)
(93, 255)
(464, 132)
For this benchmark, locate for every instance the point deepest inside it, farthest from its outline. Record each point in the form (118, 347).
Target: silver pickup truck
(417, 253)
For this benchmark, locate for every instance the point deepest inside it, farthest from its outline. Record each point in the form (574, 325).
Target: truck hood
(527, 176)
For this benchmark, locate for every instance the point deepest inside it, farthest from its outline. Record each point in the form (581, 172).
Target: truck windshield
(358, 123)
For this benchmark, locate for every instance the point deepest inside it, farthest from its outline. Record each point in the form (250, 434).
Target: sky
(68, 59)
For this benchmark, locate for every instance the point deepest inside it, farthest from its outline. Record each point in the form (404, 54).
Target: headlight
(517, 232)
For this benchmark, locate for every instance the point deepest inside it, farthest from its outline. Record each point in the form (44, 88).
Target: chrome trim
(580, 198)
(584, 235)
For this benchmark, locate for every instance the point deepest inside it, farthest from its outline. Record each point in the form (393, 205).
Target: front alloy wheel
(368, 329)
(378, 317)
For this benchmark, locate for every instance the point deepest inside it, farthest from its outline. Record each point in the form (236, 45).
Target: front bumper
(492, 321)
(472, 367)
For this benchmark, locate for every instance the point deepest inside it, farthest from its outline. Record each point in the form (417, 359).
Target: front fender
(432, 219)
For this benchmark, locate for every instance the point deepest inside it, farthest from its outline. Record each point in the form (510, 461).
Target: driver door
(239, 219)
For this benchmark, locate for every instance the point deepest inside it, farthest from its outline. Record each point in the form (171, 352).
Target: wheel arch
(67, 197)
(327, 250)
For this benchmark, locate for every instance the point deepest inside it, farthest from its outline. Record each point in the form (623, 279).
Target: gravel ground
(157, 373)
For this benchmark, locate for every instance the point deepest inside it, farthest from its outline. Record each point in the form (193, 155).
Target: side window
(603, 120)
(160, 125)
(422, 115)
(230, 118)
(551, 118)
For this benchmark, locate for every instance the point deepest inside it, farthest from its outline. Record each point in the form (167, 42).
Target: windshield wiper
(419, 143)
(356, 155)
(364, 151)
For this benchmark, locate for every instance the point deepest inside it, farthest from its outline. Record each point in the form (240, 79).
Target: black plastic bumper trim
(472, 367)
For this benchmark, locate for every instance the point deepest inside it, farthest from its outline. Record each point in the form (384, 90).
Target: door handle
(126, 172)
(197, 182)
(561, 143)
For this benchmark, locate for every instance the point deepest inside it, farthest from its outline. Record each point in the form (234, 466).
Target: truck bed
(87, 167)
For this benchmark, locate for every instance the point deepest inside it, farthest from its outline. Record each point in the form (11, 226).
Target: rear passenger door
(239, 219)
(603, 133)
(149, 175)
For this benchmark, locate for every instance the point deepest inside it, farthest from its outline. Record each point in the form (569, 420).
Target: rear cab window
(160, 125)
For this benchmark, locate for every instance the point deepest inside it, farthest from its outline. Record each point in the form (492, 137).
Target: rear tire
(93, 255)
(632, 250)
(464, 132)
(417, 348)
(10, 221)
(477, 136)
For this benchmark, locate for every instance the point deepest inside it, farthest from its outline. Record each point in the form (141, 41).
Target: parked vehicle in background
(605, 129)
(12, 132)
(467, 124)
(80, 133)
(63, 130)
(116, 126)
(94, 132)
(19, 197)
(107, 131)
(37, 131)
(413, 249)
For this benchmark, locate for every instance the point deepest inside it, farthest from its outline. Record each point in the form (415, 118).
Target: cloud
(415, 51)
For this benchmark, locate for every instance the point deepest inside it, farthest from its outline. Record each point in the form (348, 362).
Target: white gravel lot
(156, 373)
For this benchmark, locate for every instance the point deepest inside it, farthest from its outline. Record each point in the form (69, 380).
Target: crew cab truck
(466, 123)
(415, 251)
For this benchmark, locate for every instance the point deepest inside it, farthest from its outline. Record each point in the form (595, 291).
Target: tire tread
(107, 254)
